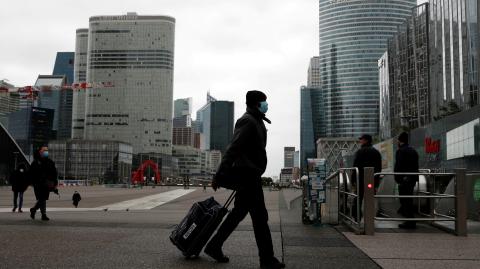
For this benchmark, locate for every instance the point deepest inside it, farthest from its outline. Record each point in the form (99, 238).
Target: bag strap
(230, 199)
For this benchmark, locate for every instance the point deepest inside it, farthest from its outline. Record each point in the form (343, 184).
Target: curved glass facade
(353, 36)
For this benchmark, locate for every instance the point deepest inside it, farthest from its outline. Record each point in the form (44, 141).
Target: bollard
(460, 202)
(431, 190)
(369, 201)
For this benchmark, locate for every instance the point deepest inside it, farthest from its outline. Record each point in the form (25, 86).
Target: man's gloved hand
(56, 191)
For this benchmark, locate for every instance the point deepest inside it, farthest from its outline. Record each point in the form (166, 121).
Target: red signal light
(369, 186)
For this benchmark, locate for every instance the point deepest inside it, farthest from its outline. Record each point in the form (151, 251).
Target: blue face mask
(263, 107)
(45, 154)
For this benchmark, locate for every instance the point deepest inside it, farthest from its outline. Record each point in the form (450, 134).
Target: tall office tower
(288, 156)
(313, 79)
(130, 69)
(217, 124)
(296, 161)
(182, 112)
(453, 52)
(311, 113)
(8, 101)
(473, 61)
(385, 127)
(31, 127)
(431, 67)
(307, 131)
(54, 95)
(182, 107)
(353, 36)
(312, 122)
(64, 65)
(79, 76)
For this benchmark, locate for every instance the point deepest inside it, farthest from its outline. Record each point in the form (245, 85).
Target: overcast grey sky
(227, 47)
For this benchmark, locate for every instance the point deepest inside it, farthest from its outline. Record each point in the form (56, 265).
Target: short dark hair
(366, 137)
(403, 137)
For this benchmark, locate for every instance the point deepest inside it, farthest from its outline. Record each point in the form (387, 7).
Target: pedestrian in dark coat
(246, 158)
(406, 160)
(19, 181)
(43, 174)
(76, 198)
(366, 156)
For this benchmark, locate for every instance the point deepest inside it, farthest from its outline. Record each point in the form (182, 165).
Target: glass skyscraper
(431, 66)
(54, 95)
(353, 36)
(217, 124)
(64, 65)
(31, 128)
(311, 113)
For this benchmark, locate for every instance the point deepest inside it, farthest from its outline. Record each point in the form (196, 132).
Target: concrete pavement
(139, 238)
(420, 250)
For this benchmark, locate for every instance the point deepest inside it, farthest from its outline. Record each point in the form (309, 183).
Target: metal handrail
(412, 174)
(342, 193)
(331, 176)
(414, 196)
(460, 204)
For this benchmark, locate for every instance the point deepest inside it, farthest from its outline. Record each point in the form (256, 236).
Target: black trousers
(42, 205)
(407, 209)
(249, 201)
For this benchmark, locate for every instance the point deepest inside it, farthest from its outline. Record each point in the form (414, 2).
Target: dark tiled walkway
(307, 246)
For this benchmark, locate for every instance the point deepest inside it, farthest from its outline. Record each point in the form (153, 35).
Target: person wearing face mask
(43, 174)
(246, 158)
(19, 181)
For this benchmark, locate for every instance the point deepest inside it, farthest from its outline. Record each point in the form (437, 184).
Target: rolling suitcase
(194, 231)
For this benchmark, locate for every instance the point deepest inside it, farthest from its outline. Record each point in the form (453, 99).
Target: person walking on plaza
(76, 198)
(406, 161)
(246, 154)
(19, 181)
(43, 174)
(366, 156)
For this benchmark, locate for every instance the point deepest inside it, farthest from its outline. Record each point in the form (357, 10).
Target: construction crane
(31, 92)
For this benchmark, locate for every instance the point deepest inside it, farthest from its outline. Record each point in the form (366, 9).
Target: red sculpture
(137, 176)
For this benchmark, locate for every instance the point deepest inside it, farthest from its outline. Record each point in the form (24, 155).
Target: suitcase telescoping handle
(230, 199)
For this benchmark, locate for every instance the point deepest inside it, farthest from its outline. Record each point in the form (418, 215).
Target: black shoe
(409, 225)
(20, 210)
(13, 210)
(45, 218)
(216, 254)
(32, 213)
(272, 263)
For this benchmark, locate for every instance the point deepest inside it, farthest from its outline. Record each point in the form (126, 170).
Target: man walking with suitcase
(246, 159)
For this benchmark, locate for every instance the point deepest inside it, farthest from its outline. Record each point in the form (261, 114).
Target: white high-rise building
(79, 76)
(130, 76)
(313, 79)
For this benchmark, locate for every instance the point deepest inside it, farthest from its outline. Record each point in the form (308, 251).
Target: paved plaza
(110, 230)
